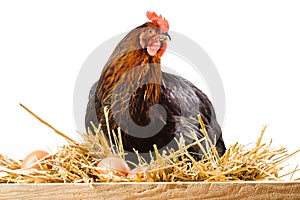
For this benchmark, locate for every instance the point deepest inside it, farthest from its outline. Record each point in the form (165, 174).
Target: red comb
(159, 20)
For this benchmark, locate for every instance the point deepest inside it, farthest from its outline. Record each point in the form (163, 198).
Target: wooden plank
(148, 191)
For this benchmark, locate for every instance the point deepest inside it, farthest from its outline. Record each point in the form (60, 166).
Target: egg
(113, 164)
(31, 160)
(139, 169)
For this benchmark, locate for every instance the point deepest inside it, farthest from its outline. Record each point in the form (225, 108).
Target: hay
(77, 161)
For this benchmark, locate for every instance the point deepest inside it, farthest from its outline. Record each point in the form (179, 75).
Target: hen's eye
(150, 30)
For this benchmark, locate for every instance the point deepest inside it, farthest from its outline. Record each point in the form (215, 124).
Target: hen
(150, 106)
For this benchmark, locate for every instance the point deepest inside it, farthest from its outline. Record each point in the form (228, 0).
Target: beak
(164, 37)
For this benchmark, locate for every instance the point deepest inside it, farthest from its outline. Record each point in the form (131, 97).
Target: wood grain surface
(185, 190)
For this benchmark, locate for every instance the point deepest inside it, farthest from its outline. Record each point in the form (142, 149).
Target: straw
(77, 162)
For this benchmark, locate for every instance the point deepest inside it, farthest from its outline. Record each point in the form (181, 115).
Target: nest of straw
(76, 162)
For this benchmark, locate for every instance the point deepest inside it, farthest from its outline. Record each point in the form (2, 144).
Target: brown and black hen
(150, 106)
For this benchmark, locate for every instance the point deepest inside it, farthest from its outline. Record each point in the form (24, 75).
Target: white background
(255, 45)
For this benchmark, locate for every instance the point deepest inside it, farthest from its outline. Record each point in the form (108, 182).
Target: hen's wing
(91, 115)
(189, 102)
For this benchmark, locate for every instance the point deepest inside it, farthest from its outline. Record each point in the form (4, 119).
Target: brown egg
(31, 160)
(139, 169)
(113, 164)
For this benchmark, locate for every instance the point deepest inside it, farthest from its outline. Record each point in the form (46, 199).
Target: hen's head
(154, 35)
